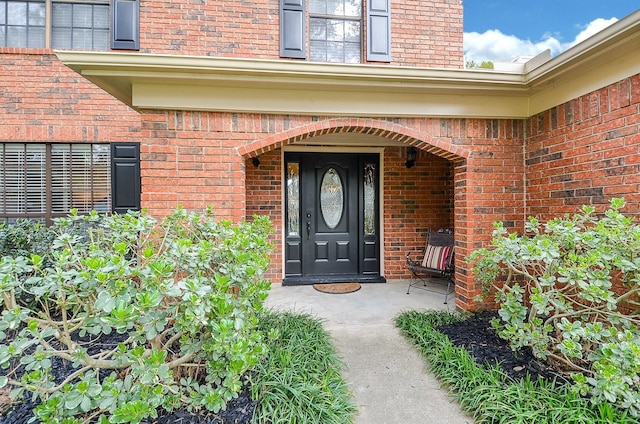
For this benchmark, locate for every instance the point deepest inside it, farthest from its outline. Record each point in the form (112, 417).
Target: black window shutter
(125, 177)
(293, 29)
(125, 24)
(379, 30)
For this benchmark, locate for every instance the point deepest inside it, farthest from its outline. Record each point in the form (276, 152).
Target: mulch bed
(478, 337)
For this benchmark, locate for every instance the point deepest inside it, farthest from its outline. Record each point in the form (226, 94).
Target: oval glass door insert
(331, 198)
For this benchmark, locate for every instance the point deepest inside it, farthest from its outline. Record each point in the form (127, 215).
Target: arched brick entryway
(425, 196)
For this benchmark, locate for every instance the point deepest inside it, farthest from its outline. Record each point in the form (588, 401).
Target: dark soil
(239, 411)
(478, 337)
(475, 334)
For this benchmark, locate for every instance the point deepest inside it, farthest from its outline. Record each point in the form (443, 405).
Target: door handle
(308, 230)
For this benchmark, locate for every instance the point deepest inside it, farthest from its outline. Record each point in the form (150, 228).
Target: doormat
(337, 287)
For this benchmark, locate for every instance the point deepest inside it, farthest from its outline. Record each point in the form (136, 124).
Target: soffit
(149, 81)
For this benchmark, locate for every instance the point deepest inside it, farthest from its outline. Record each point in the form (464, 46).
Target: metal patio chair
(433, 267)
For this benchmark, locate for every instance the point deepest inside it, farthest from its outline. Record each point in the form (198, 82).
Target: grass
(301, 380)
(488, 394)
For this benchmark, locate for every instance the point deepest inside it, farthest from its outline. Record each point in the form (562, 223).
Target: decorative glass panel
(369, 199)
(331, 198)
(293, 199)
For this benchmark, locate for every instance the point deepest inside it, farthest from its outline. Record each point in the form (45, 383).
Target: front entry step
(318, 279)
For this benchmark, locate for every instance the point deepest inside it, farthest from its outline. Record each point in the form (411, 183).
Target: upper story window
(337, 29)
(80, 26)
(22, 24)
(68, 25)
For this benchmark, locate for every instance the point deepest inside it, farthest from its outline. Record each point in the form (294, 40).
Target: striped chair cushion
(435, 257)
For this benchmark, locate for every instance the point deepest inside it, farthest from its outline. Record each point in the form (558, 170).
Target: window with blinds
(59, 25)
(44, 181)
(80, 26)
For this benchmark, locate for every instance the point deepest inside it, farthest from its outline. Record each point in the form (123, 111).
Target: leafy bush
(571, 294)
(489, 395)
(24, 237)
(182, 297)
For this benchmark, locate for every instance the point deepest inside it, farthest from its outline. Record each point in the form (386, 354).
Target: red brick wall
(427, 33)
(190, 159)
(44, 101)
(423, 33)
(415, 200)
(264, 197)
(585, 151)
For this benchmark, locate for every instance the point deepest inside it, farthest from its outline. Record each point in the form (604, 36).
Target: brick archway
(428, 138)
(442, 146)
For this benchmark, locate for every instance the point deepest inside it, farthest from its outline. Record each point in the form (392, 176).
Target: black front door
(332, 218)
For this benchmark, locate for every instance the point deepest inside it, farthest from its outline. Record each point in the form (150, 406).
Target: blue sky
(500, 30)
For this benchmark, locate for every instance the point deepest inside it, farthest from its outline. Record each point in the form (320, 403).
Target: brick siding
(426, 34)
(44, 101)
(586, 151)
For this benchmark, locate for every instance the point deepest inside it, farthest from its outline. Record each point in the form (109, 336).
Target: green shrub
(24, 237)
(184, 295)
(571, 294)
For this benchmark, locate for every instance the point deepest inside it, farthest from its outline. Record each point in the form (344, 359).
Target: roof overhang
(151, 81)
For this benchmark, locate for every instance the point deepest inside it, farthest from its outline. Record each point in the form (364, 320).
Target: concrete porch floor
(389, 380)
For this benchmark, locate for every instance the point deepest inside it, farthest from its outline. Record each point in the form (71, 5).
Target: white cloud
(498, 47)
(593, 27)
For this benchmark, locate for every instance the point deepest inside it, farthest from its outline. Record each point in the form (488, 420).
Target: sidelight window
(293, 198)
(369, 199)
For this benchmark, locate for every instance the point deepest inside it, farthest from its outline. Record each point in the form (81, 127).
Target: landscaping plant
(181, 297)
(568, 289)
(23, 237)
(487, 393)
(301, 379)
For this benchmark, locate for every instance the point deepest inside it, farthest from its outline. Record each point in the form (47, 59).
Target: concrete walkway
(389, 380)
